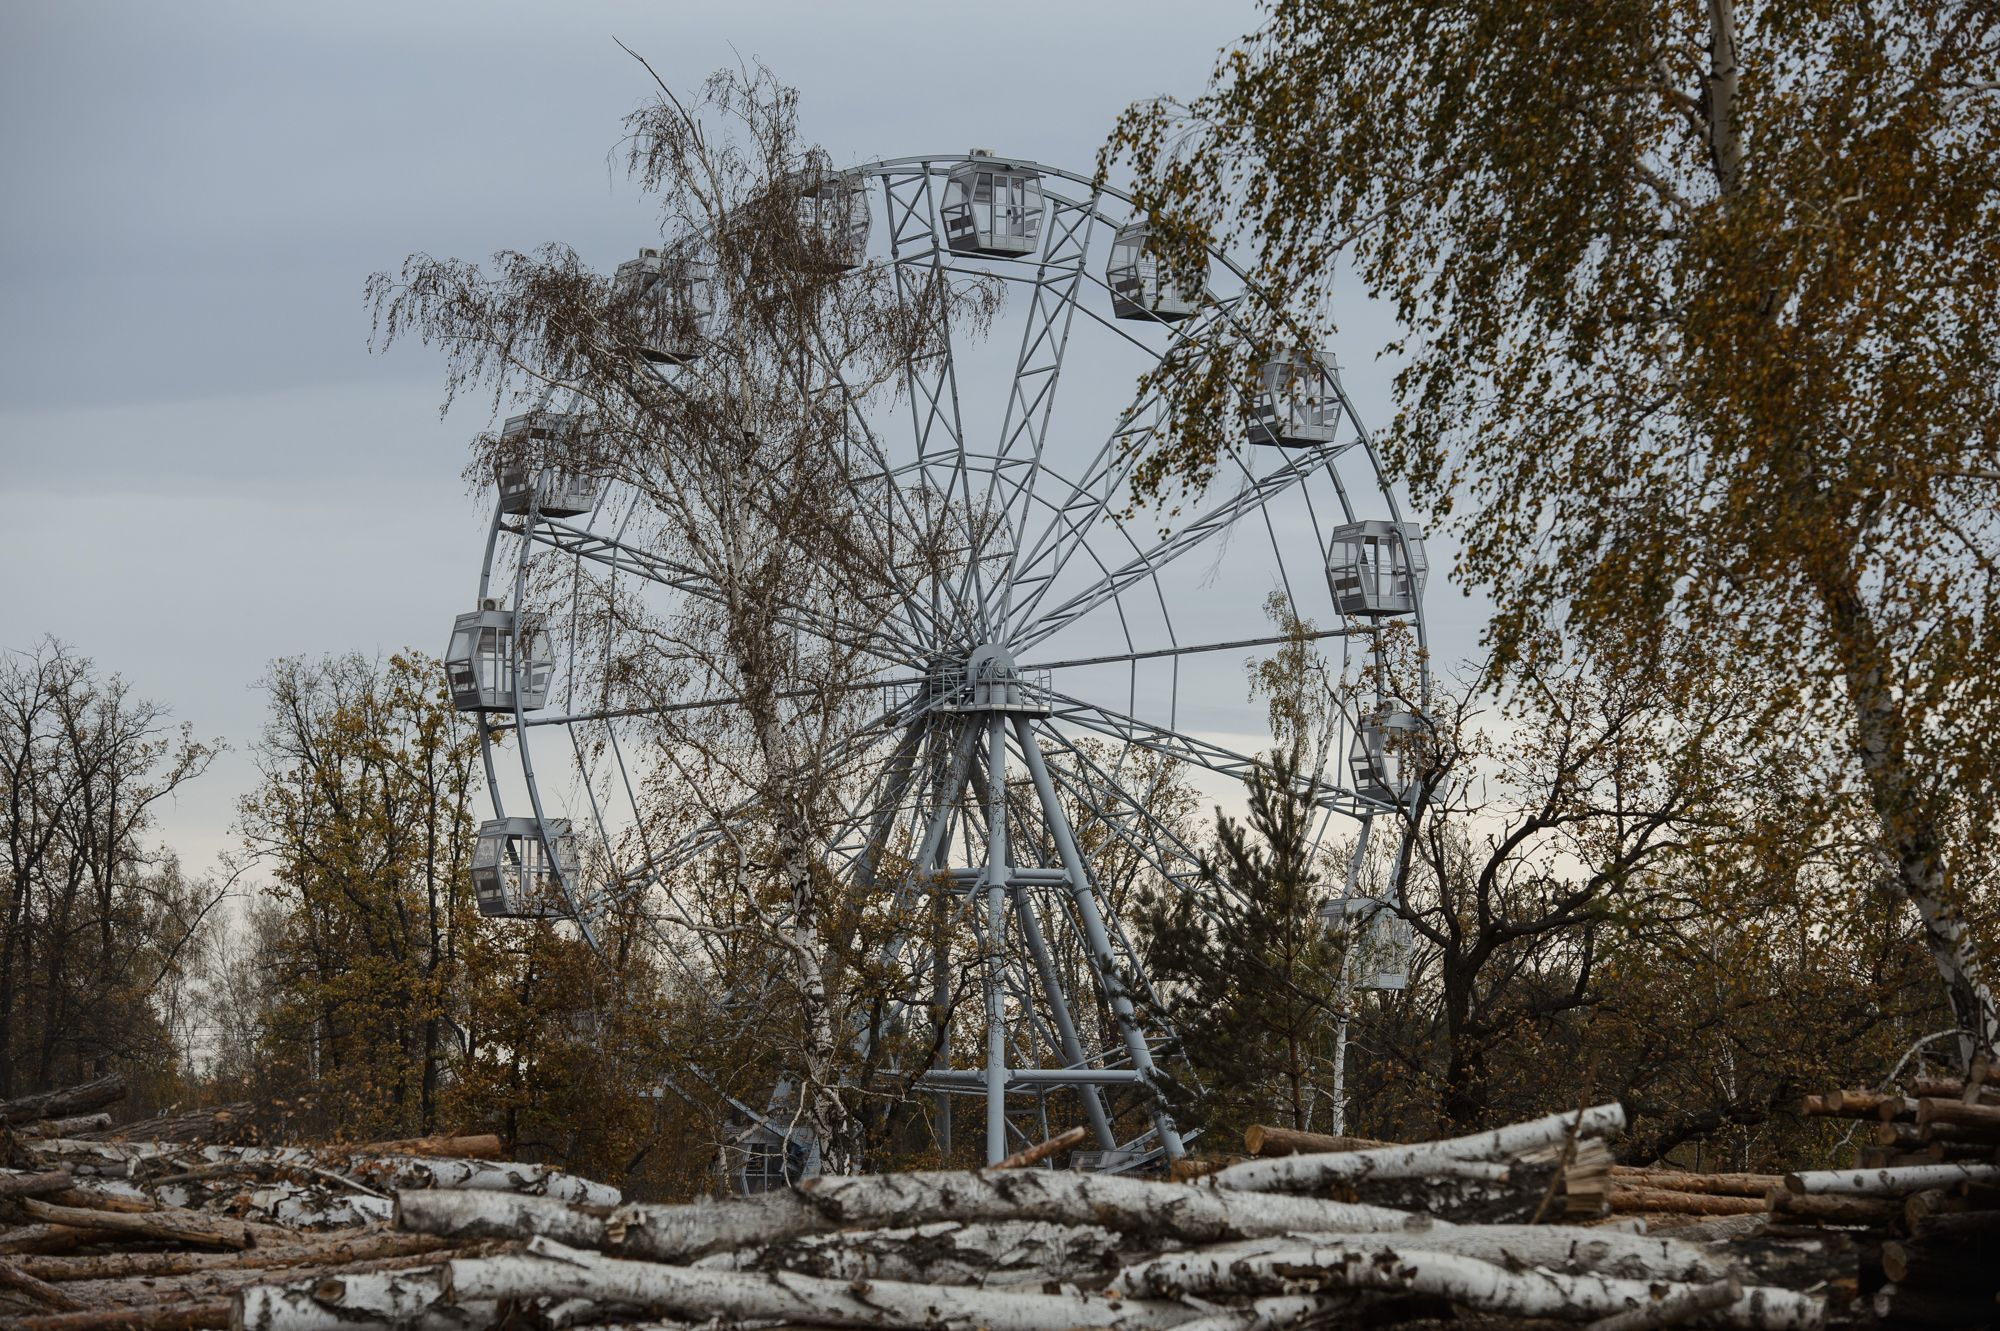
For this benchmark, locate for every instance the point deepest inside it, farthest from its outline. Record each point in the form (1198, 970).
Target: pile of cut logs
(1925, 1195)
(1519, 1226)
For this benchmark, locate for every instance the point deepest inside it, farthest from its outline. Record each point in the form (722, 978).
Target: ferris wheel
(1014, 717)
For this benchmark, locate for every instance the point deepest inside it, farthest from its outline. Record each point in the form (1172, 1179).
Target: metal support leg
(1105, 962)
(996, 935)
(1072, 1048)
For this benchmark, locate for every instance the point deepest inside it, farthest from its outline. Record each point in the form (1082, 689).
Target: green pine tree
(1248, 974)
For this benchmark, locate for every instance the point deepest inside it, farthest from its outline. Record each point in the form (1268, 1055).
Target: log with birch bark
(881, 1201)
(1462, 1280)
(411, 1171)
(550, 1270)
(945, 1252)
(1832, 1210)
(489, 1215)
(1303, 1173)
(330, 1252)
(171, 1226)
(1568, 1249)
(1898, 1182)
(1674, 1309)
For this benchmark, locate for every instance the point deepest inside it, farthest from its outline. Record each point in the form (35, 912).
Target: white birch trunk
(1463, 1280)
(1302, 1173)
(881, 1201)
(1568, 1249)
(1895, 1182)
(551, 1270)
(414, 1171)
(382, 1301)
(496, 1215)
(1271, 1314)
(946, 1252)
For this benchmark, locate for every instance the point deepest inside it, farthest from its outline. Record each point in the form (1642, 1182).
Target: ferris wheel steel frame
(963, 700)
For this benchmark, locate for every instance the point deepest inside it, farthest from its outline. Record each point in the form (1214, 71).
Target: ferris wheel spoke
(622, 556)
(1195, 648)
(697, 704)
(719, 825)
(932, 383)
(1185, 748)
(1255, 494)
(1038, 368)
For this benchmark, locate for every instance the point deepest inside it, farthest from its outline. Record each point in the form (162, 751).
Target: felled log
(1034, 1155)
(1517, 1197)
(945, 1252)
(1832, 1210)
(94, 1197)
(147, 1317)
(1937, 1265)
(390, 1172)
(14, 1278)
(85, 1155)
(1672, 1202)
(409, 1300)
(172, 1226)
(884, 1201)
(1302, 1173)
(1268, 1139)
(41, 1238)
(1463, 1280)
(1895, 1107)
(105, 1090)
(1191, 1167)
(1860, 1104)
(217, 1123)
(1926, 1307)
(1956, 1226)
(65, 1127)
(1982, 1119)
(14, 1184)
(1567, 1249)
(1674, 1308)
(496, 1215)
(121, 1265)
(1954, 1088)
(1674, 1180)
(223, 1282)
(479, 1146)
(1889, 1182)
(551, 1270)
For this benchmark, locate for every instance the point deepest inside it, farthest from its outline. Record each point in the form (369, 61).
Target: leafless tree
(96, 928)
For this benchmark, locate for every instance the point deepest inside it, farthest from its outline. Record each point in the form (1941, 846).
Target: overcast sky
(205, 467)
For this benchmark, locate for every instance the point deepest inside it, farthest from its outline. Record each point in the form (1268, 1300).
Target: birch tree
(748, 466)
(1699, 328)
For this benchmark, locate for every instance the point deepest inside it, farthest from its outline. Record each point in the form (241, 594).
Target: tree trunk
(1305, 1172)
(1462, 1280)
(1911, 841)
